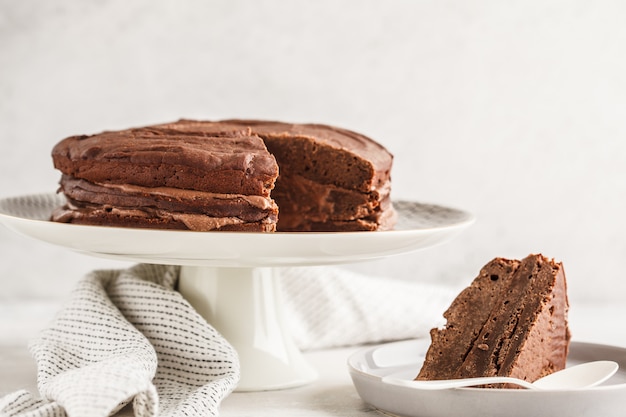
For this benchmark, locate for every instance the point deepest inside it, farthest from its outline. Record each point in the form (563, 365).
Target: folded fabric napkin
(128, 336)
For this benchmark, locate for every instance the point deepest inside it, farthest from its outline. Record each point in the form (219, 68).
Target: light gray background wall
(513, 110)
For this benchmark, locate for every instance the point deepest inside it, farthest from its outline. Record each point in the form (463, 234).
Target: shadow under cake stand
(230, 277)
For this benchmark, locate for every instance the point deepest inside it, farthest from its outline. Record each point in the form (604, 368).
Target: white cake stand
(229, 277)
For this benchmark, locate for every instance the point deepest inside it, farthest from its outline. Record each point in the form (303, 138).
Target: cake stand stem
(244, 305)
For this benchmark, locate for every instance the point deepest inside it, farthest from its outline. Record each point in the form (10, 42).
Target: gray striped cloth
(127, 336)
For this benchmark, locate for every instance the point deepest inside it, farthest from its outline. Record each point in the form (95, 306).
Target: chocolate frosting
(355, 161)
(335, 137)
(222, 164)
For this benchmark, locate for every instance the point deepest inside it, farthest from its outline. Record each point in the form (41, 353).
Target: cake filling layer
(245, 207)
(149, 218)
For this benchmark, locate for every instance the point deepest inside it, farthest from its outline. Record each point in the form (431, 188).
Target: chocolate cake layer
(156, 219)
(511, 321)
(221, 164)
(321, 202)
(381, 218)
(249, 208)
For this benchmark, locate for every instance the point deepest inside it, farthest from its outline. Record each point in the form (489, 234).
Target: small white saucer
(403, 360)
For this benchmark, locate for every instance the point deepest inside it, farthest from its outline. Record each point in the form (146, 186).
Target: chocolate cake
(224, 175)
(511, 321)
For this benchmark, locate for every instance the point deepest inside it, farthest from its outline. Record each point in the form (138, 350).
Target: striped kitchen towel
(334, 306)
(128, 336)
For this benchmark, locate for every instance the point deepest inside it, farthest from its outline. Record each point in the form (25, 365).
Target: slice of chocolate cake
(224, 175)
(511, 321)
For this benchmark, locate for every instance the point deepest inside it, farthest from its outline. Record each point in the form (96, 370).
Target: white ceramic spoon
(575, 377)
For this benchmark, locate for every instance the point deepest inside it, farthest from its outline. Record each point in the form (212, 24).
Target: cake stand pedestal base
(244, 305)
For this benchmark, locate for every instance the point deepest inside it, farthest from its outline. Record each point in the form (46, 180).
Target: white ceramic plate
(419, 226)
(403, 360)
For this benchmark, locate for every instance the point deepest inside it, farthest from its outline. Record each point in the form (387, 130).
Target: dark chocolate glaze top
(336, 137)
(148, 147)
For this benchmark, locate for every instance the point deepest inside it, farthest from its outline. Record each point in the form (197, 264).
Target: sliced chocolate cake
(224, 175)
(511, 321)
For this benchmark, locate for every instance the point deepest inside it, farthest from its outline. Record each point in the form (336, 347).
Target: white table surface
(331, 395)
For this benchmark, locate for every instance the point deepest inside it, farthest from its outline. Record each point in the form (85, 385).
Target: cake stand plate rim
(420, 225)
